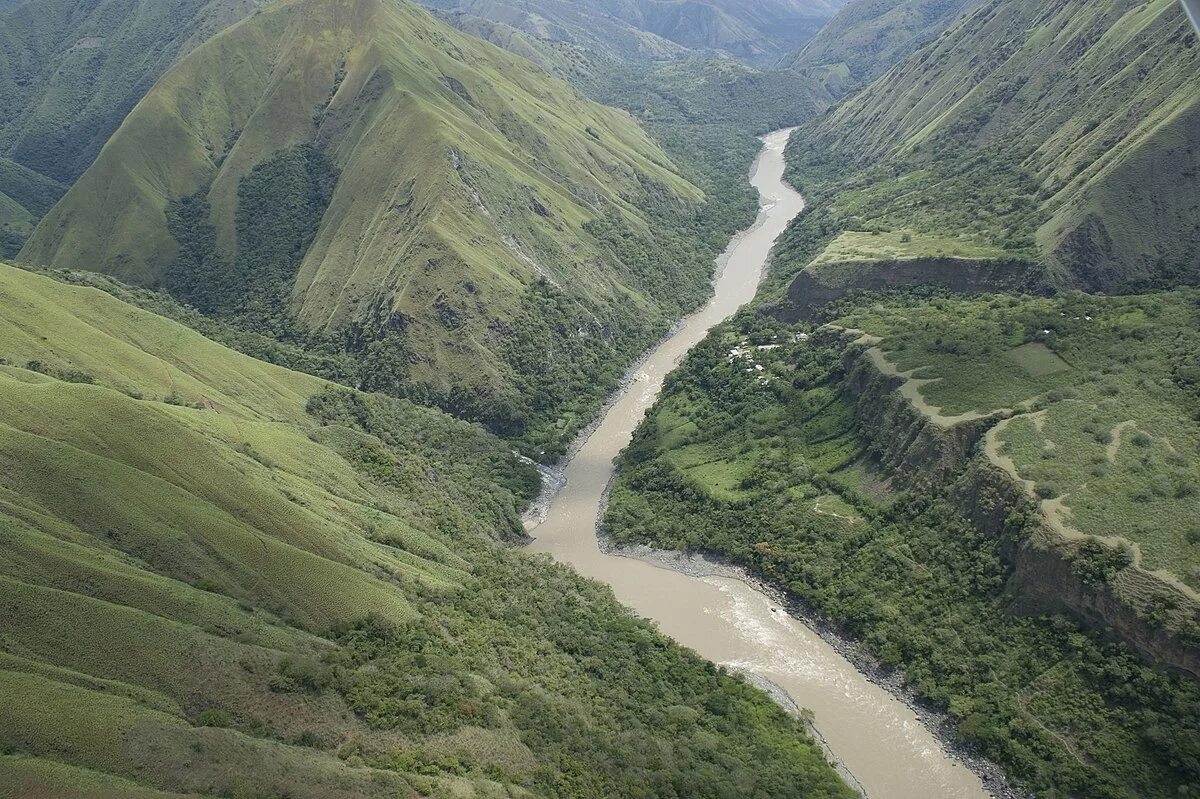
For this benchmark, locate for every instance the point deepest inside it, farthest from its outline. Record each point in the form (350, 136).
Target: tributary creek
(871, 733)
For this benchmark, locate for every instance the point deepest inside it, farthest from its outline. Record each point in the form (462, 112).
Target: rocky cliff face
(1046, 580)
(897, 435)
(812, 290)
(1050, 574)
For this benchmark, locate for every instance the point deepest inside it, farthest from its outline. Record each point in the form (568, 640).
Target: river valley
(875, 736)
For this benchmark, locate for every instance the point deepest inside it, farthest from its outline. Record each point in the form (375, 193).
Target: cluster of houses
(749, 353)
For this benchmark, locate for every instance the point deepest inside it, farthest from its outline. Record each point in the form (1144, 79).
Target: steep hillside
(69, 73)
(223, 578)
(758, 31)
(1063, 133)
(868, 36)
(25, 196)
(364, 173)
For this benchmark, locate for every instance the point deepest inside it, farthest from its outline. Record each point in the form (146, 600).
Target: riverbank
(891, 680)
(555, 477)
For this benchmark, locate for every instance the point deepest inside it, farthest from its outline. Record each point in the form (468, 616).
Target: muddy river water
(874, 735)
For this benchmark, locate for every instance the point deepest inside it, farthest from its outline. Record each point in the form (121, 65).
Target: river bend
(874, 735)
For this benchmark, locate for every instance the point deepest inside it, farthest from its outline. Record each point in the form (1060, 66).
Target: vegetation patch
(854, 246)
(1037, 359)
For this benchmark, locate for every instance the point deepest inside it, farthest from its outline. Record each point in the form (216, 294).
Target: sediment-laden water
(874, 735)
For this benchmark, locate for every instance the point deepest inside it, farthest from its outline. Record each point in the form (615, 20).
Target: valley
(591, 399)
(879, 741)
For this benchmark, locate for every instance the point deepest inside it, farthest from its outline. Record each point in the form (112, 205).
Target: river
(871, 733)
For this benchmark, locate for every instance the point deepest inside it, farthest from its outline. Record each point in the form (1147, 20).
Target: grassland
(225, 578)
(1106, 393)
(1066, 712)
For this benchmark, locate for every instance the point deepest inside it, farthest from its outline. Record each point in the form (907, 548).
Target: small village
(749, 353)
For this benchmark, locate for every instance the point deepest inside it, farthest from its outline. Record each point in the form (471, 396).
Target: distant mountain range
(758, 32)
(868, 36)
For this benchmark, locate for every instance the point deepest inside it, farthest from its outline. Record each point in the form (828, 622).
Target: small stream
(878, 740)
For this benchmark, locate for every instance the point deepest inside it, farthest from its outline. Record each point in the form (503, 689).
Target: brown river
(871, 733)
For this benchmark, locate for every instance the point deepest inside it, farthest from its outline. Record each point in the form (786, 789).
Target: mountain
(1039, 144)
(758, 31)
(69, 73)
(867, 37)
(25, 196)
(224, 578)
(365, 174)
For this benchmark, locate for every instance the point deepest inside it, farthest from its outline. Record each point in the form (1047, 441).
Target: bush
(212, 717)
(1046, 490)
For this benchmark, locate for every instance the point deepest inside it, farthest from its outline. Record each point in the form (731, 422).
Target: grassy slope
(868, 36)
(1075, 107)
(466, 177)
(147, 539)
(193, 544)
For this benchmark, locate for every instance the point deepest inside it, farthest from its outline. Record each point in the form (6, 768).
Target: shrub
(1046, 490)
(212, 717)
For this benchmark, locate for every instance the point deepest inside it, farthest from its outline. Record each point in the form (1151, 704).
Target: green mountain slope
(24, 197)
(868, 36)
(365, 173)
(758, 31)
(70, 73)
(1063, 134)
(222, 578)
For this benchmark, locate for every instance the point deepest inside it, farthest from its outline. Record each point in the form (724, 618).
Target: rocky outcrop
(899, 436)
(1046, 580)
(812, 290)
(1051, 573)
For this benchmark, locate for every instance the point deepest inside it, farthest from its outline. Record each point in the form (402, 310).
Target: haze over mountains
(759, 32)
(867, 37)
